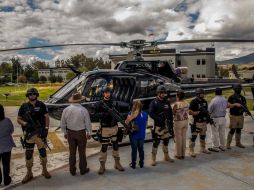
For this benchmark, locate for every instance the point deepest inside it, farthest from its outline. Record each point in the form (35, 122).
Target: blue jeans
(137, 145)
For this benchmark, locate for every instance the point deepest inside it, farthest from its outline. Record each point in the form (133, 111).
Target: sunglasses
(32, 94)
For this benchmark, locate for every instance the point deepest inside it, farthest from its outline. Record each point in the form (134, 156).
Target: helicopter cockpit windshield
(75, 83)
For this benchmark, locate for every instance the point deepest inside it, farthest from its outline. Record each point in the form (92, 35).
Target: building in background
(200, 63)
(56, 71)
(247, 74)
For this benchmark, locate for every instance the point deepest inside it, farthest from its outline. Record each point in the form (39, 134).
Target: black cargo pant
(5, 158)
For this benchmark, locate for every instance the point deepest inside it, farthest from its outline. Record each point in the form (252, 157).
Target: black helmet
(32, 90)
(161, 89)
(218, 91)
(199, 91)
(237, 86)
(107, 89)
(180, 94)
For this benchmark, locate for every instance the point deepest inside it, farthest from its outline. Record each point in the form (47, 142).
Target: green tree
(52, 78)
(22, 79)
(28, 72)
(35, 77)
(40, 65)
(43, 78)
(16, 67)
(70, 75)
(59, 78)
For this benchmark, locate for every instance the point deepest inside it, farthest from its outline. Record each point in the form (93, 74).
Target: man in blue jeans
(138, 120)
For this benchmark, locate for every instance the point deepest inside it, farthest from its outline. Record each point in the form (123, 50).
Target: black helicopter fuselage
(127, 83)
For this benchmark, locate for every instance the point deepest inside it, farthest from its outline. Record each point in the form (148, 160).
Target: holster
(120, 135)
(98, 135)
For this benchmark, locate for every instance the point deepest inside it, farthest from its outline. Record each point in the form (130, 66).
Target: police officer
(199, 110)
(235, 103)
(34, 111)
(160, 110)
(109, 130)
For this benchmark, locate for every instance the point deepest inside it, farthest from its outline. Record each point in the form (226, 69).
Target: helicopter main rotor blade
(203, 41)
(61, 45)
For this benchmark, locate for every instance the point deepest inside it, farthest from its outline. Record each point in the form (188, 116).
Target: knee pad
(104, 147)
(115, 146)
(29, 154)
(232, 131)
(238, 131)
(193, 138)
(43, 152)
(156, 143)
(29, 145)
(202, 137)
(166, 142)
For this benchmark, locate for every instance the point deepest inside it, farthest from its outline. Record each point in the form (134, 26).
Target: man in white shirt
(217, 108)
(76, 126)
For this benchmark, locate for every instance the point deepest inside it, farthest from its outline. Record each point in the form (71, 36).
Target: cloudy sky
(42, 22)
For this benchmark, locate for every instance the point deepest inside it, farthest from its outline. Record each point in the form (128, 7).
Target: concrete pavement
(233, 169)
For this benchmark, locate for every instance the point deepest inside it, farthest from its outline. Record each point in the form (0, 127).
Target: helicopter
(130, 80)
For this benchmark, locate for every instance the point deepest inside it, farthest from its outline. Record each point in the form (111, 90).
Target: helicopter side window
(94, 88)
(147, 88)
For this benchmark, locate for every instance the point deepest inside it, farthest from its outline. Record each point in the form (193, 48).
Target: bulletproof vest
(203, 110)
(33, 114)
(237, 99)
(107, 120)
(162, 110)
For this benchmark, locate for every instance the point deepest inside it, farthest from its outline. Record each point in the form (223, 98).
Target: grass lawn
(17, 93)
(227, 93)
(17, 96)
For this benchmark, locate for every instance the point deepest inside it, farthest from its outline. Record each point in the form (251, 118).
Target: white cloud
(76, 21)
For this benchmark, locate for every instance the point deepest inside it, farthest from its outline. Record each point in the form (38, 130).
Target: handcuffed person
(217, 108)
(138, 120)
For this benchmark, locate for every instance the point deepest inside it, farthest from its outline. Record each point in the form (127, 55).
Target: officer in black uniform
(34, 119)
(236, 103)
(199, 110)
(161, 112)
(109, 130)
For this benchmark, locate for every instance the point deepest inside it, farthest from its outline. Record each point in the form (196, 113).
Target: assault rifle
(206, 114)
(247, 111)
(169, 125)
(32, 128)
(116, 115)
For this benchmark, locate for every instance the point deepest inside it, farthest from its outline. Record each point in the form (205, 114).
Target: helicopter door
(123, 92)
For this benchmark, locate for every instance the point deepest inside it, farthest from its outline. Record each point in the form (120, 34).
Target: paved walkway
(233, 169)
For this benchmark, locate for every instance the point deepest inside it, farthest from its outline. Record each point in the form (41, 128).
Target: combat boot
(229, 140)
(45, 172)
(102, 168)
(154, 152)
(203, 148)
(166, 155)
(191, 147)
(238, 140)
(29, 176)
(118, 165)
